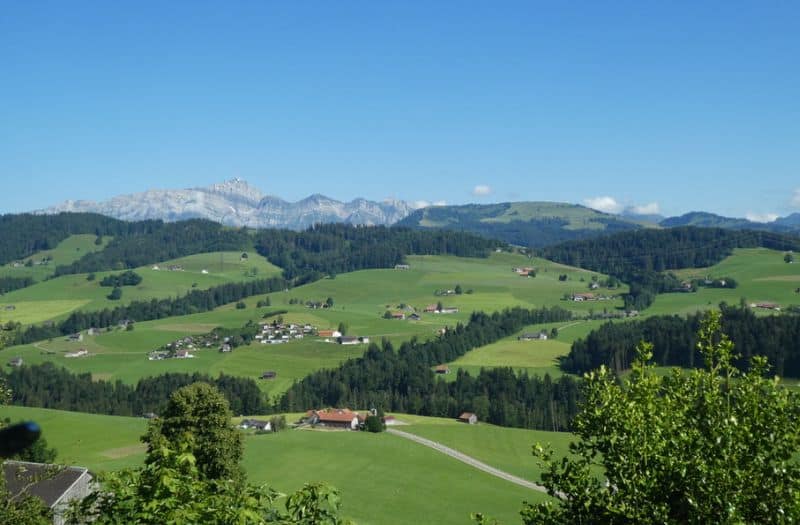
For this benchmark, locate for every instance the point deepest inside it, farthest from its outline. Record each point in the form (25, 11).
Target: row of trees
(48, 386)
(402, 380)
(9, 284)
(641, 257)
(675, 341)
(128, 278)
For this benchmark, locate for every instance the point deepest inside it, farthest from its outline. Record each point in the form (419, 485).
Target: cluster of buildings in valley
(182, 348)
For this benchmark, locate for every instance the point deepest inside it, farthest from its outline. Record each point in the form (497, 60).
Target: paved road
(468, 460)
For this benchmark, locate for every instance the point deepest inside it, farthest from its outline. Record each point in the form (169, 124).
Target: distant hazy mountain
(533, 224)
(236, 203)
(789, 224)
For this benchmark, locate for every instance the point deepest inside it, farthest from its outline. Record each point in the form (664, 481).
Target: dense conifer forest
(675, 342)
(48, 386)
(402, 380)
(641, 257)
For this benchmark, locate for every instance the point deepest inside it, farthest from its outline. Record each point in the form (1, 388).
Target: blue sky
(666, 106)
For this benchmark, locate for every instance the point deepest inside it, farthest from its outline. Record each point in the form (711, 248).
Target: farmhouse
(75, 337)
(442, 369)
(469, 418)
(329, 333)
(430, 308)
(225, 348)
(401, 267)
(398, 315)
(16, 362)
(535, 336)
(92, 331)
(352, 340)
(414, 317)
(580, 297)
(80, 353)
(55, 485)
(269, 374)
(766, 306)
(256, 424)
(183, 354)
(447, 310)
(342, 418)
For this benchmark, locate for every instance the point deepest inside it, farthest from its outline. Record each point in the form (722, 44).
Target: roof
(54, 480)
(340, 415)
(466, 415)
(442, 367)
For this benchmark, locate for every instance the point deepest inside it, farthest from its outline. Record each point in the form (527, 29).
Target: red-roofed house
(343, 418)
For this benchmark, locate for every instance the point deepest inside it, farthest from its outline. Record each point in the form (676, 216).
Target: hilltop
(533, 224)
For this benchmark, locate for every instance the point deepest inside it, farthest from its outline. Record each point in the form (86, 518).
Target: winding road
(469, 460)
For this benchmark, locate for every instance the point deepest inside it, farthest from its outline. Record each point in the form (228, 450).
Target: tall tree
(200, 410)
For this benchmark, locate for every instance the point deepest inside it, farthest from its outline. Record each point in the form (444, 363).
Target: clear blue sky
(684, 105)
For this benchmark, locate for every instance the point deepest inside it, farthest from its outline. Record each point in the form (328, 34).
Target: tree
(712, 446)
(171, 489)
(241, 305)
(373, 423)
(343, 327)
(329, 302)
(554, 333)
(788, 258)
(201, 410)
(458, 289)
(116, 294)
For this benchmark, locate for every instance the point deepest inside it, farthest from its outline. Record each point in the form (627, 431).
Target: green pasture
(91, 440)
(68, 251)
(762, 276)
(380, 476)
(34, 305)
(508, 449)
(533, 357)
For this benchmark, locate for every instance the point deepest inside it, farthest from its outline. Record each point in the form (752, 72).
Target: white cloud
(419, 204)
(796, 198)
(761, 217)
(646, 209)
(481, 190)
(439, 203)
(605, 204)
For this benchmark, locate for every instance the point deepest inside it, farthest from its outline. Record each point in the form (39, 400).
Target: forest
(48, 386)
(641, 257)
(330, 249)
(675, 342)
(402, 380)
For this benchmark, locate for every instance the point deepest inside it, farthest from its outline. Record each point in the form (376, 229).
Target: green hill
(532, 224)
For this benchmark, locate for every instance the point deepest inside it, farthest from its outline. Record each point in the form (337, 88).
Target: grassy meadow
(67, 252)
(56, 298)
(380, 476)
(762, 276)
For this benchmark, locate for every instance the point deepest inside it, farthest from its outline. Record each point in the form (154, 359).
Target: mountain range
(534, 224)
(237, 203)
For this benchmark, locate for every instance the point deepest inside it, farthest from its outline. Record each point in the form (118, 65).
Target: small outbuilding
(468, 418)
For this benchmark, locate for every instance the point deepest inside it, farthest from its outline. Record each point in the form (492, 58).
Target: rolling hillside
(531, 224)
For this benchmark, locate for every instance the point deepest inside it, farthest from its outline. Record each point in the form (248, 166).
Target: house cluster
(527, 271)
(183, 347)
(277, 333)
(171, 268)
(80, 353)
(533, 336)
